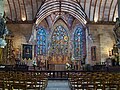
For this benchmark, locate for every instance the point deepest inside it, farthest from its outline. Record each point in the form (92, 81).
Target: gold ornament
(65, 38)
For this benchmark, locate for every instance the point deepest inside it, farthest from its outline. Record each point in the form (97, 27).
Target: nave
(75, 40)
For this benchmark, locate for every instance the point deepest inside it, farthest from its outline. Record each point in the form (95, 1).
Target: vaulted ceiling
(26, 10)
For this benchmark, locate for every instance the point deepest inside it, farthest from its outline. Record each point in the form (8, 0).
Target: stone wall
(103, 39)
(21, 33)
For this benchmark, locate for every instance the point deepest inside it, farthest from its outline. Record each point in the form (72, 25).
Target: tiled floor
(58, 85)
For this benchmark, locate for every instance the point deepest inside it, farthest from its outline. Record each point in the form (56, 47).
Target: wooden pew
(94, 81)
(24, 80)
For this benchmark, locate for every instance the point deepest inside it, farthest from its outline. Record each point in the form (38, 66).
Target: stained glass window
(60, 40)
(41, 41)
(79, 43)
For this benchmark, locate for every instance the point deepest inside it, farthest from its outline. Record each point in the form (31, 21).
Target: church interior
(73, 40)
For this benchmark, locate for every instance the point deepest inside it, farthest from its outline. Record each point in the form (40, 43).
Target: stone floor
(57, 85)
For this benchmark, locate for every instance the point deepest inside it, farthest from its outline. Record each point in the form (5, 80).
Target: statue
(117, 32)
(3, 32)
(2, 27)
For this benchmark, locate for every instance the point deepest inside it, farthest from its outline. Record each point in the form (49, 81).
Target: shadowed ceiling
(26, 10)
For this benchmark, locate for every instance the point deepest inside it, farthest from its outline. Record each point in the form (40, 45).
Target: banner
(93, 53)
(1, 8)
(27, 51)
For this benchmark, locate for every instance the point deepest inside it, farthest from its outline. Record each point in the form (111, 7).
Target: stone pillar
(101, 47)
(89, 43)
(104, 46)
(87, 47)
(33, 52)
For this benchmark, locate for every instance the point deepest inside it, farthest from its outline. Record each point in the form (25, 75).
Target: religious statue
(117, 32)
(3, 29)
(3, 32)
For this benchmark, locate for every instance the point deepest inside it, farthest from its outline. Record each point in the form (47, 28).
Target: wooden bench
(23, 80)
(94, 81)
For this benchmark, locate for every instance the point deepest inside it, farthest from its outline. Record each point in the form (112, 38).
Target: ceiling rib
(37, 4)
(84, 4)
(94, 10)
(15, 10)
(114, 10)
(71, 4)
(110, 9)
(10, 9)
(39, 8)
(71, 7)
(104, 10)
(90, 7)
(25, 10)
(20, 10)
(32, 10)
(99, 10)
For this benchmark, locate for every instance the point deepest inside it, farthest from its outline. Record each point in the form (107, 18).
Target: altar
(57, 67)
(58, 63)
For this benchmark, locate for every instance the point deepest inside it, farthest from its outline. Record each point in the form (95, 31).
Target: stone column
(104, 45)
(33, 52)
(89, 43)
(87, 47)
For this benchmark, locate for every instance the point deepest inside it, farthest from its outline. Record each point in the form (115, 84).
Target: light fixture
(114, 19)
(95, 20)
(23, 18)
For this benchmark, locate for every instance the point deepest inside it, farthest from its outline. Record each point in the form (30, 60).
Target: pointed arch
(62, 23)
(60, 18)
(60, 41)
(79, 42)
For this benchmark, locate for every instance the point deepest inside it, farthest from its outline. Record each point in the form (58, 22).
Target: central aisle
(57, 85)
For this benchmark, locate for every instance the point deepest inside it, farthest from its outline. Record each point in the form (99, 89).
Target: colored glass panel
(60, 40)
(79, 43)
(41, 41)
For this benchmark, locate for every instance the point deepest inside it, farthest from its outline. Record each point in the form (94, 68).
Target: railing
(58, 74)
(52, 74)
